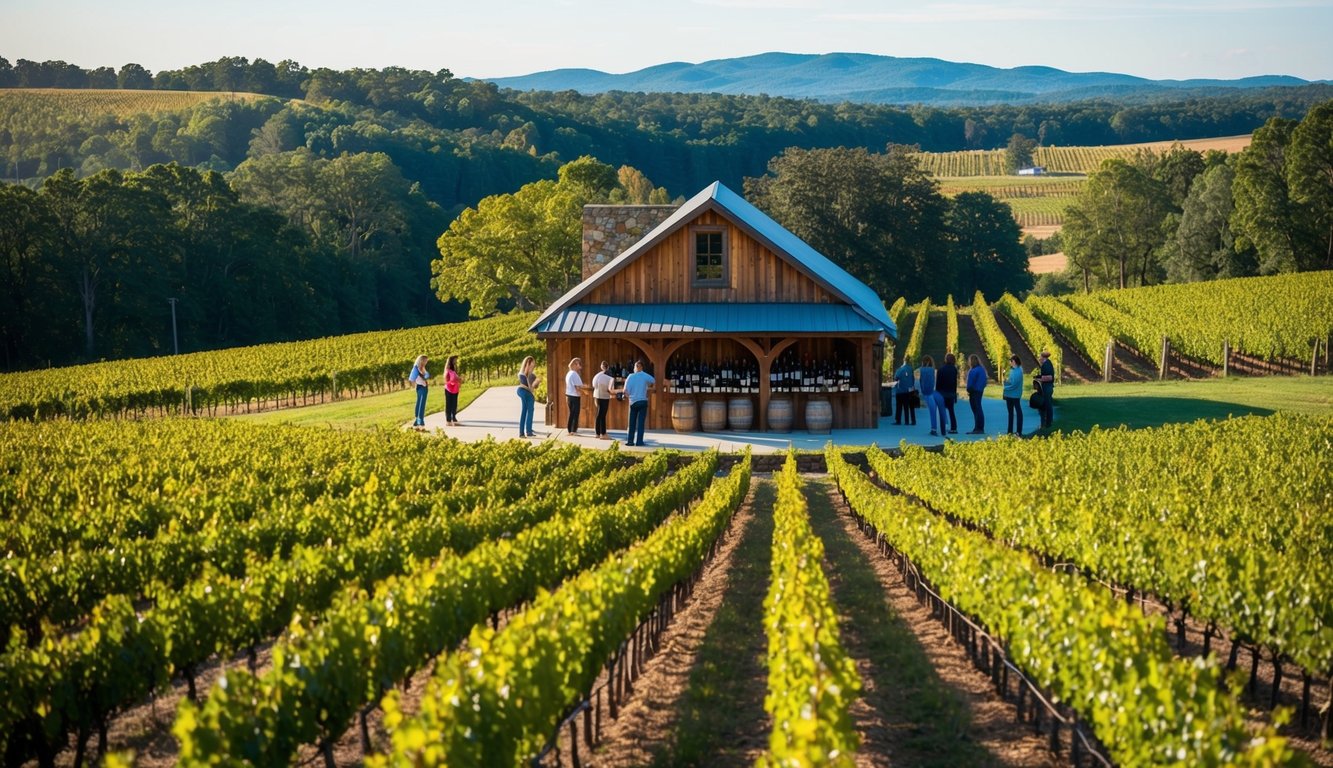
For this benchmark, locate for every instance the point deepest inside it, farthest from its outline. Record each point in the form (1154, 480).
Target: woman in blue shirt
(925, 377)
(976, 386)
(904, 385)
(1013, 395)
(419, 376)
(527, 397)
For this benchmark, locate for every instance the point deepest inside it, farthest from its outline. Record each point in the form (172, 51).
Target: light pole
(174, 344)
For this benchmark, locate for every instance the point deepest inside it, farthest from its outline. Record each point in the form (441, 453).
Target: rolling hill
(871, 78)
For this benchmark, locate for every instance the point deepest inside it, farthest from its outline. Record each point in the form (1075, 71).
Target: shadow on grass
(927, 719)
(1142, 411)
(720, 718)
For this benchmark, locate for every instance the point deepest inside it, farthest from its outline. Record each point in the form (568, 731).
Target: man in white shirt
(601, 394)
(573, 383)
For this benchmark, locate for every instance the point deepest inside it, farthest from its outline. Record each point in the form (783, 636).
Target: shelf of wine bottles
(790, 373)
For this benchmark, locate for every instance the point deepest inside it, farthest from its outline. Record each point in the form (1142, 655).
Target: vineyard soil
(1016, 343)
(701, 698)
(1305, 739)
(923, 703)
(146, 728)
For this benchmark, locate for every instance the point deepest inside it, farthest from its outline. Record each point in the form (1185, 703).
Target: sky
(1172, 39)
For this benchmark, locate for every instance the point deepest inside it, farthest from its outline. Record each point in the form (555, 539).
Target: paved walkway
(494, 414)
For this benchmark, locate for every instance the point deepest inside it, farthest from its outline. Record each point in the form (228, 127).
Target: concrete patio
(494, 414)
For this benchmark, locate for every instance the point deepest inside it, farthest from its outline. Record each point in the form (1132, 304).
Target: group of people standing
(635, 389)
(453, 382)
(938, 390)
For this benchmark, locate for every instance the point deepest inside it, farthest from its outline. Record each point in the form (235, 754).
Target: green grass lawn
(1152, 404)
(370, 412)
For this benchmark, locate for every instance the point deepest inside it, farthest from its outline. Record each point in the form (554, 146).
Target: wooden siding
(665, 274)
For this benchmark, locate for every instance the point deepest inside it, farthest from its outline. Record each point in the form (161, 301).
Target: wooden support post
(1314, 359)
(1108, 361)
(1226, 357)
(1165, 366)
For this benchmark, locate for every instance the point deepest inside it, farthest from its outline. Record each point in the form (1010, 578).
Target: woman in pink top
(453, 381)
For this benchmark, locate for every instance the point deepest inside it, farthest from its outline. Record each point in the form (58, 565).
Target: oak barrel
(713, 415)
(740, 413)
(683, 415)
(779, 414)
(818, 416)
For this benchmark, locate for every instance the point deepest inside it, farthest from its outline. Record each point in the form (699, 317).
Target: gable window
(710, 256)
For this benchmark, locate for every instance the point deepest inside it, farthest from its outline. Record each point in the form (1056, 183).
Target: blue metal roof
(615, 319)
(718, 197)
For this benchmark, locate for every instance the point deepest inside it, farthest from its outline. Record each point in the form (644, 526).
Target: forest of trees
(1183, 216)
(317, 211)
(289, 246)
(88, 265)
(464, 140)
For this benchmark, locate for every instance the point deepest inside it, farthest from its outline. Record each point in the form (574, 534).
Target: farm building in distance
(742, 323)
(1036, 170)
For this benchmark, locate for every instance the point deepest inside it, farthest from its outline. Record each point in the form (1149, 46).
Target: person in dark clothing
(905, 379)
(976, 386)
(946, 383)
(1047, 379)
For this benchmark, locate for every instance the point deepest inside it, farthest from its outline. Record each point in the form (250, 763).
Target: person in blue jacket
(976, 387)
(1013, 395)
(905, 380)
(926, 376)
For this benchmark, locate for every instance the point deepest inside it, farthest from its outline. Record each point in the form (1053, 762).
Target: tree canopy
(1182, 215)
(524, 249)
(882, 218)
(89, 264)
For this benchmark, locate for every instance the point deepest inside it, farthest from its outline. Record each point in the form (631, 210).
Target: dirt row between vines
(700, 700)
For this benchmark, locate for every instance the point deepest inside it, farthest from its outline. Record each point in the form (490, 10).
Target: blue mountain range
(863, 77)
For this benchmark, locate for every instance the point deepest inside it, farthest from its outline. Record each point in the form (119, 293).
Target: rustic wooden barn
(719, 287)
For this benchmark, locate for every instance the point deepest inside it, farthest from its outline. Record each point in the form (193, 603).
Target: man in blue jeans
(636, 389)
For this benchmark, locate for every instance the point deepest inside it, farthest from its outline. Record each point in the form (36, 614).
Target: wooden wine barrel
(818, 416)
(684, 415)
(779, 414)
(740, 413)
(713, 415)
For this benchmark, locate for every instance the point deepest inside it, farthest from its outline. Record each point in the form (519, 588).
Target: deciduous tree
(1266, 218)
(987, 253)
(1115, 226)
(879, 216)
(1310, 179)
(1019, 152)
(1203, 246)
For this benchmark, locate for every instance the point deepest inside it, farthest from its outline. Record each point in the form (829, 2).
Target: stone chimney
(608, 230)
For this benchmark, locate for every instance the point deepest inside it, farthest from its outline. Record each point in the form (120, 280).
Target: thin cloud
(956, 13)
(760, 5)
